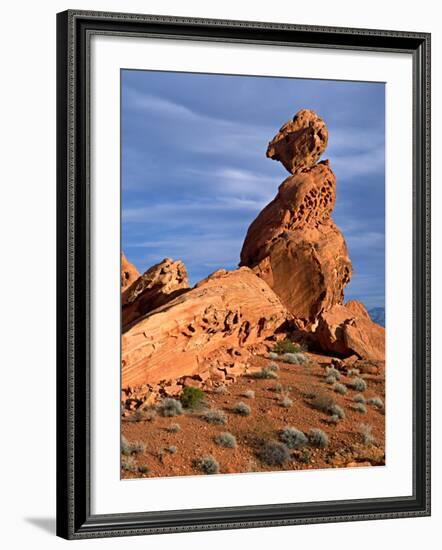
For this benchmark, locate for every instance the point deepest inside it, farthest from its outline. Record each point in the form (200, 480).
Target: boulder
(300, 142)
(129, 273)
(201, 329)
(347, 330)
(295, 246)
(159, 284)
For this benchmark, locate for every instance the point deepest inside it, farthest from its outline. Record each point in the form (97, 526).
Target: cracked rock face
(300, 142)
(158, 285)
(202, 330)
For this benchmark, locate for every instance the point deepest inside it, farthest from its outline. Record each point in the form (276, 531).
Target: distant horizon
(195, 174)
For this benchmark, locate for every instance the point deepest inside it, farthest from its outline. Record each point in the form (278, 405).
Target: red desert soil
(196, 438)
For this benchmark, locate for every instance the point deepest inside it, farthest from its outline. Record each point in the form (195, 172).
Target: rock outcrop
(348, 330)
(293, 244)
(213, 326)
(157, 286)
(300, 142)
(129, 273)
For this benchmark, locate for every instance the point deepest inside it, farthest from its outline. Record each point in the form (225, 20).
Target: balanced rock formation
(348, 330)
(158, 285)
(129, 273)
(215, 325)
(293, 244)
(300, 142)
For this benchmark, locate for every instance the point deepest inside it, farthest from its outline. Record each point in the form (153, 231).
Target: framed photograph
(243, 274)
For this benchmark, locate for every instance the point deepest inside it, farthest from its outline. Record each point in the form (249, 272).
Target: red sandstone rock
(297, 249)
(348, 330)
(300, 142)
(129, 273)
(159, 284)
(202, 329)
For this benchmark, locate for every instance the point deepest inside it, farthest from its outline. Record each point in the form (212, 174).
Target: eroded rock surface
(212, 327)
(158, 285)
(347, 330)
(129, 273)
(295, 246)
(300, 142)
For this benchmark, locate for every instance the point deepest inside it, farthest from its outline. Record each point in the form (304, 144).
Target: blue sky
(195, 174)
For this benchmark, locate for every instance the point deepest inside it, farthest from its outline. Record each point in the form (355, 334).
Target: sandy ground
(196, 437)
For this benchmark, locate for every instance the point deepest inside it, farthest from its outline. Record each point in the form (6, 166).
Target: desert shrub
(250, 394)
(318, 438)
(128, 448)
(295, 358)
(215, 416)
(278, 388)
(173, 428)
(208, 464)
(330, 380)
(340, 388)
(274, 453)
(143, 469)
(359, 398)
(137, 416)
(306, 456)
(353, 372)
(273, 367)
(286, 346)
(323, 403)
(171, 449)
(285, 401)
(331, 371)
(191, 397)
(264, 373)
(293, 438)
(242, 409)
(360, 407)
(138, 447)
(273, 355)
(366, 431)
(221, 390)
(170, 407)
(358, 384)
(376, 402)
(149, 413)
(125, 446)
(336, 410)
(334, 419)
(226, 439)
(128, 464)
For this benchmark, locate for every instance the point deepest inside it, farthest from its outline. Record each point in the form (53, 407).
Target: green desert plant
(192, 397)
(330, 380)
(173, 428)
(221, 390)
(273, 355)
(306, 456)
(208, 464)
(273, 453)
(324, 403)
(376, 402)
(264, 374)
(215, 416)
(170, 407)
(336, 410)
(333, 419)
(250, 394)
(226, 439)
(128, 448)
(340, 388)
(242, 409)
(366, 432)
(358, 384)
(359, 398)
(331, 371)
(360, 407)
(318, 438)
(273, 367)
(286, 346)
(293, 438)
(297, 358)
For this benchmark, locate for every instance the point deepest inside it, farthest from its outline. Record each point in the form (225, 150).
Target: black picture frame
(74, 518)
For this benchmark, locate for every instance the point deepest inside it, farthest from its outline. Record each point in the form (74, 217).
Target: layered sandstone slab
(215, 324)
(300, 142)
(348, 330)
(157, 286)
(295, 246)
(129, 273)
